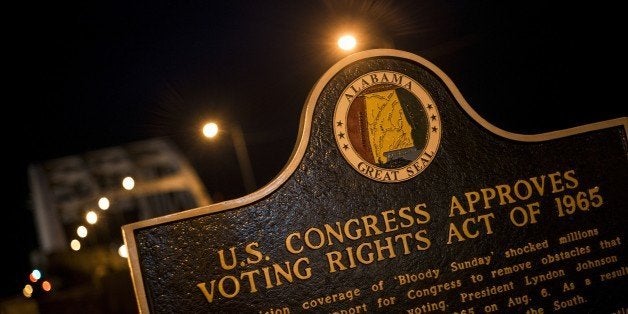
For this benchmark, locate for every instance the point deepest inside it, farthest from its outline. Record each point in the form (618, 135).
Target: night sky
(90, 75)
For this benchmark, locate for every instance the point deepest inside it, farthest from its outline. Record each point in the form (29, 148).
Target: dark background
(89, 75)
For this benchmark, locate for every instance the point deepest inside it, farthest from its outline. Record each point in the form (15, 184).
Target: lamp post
(210, 130)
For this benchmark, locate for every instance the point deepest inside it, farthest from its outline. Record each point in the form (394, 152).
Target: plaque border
(128, 231)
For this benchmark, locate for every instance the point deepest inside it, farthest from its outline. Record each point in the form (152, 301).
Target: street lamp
(211, 129)
(347, 42)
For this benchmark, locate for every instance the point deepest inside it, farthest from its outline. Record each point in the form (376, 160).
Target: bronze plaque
(399, 197)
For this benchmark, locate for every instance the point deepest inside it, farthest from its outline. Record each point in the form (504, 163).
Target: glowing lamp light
(128, 183)
(27, 291)
(46, 285)
(81, 231)
(36, 273)
(91, 217)
(210, 129)
(75, 245)
(103, 203)
(122, 251)
(347, 42)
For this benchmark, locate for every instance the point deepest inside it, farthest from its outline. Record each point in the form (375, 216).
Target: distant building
(82, 255)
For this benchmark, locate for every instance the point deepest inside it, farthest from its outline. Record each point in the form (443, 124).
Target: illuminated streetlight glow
(122, 251)
(128, 183)
(103, 203)
(81, 231)
(347, 42)
(75, 245)
(91, 217)
(27, 291)
(36, 274)
(46, 285)
(210, 129)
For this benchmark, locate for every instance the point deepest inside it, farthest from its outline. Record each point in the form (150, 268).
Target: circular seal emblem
(387, 126)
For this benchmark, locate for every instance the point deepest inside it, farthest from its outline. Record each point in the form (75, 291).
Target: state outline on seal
(387, 126)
